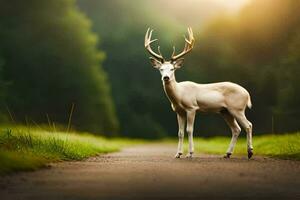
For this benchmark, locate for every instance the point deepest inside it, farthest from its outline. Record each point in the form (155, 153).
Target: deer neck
(171, 90)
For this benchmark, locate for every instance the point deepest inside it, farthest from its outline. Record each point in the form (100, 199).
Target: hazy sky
(231, 5)
(196, 12)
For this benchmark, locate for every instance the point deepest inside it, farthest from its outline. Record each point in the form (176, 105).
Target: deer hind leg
(235, 130)
(181, 124)
(247, 125)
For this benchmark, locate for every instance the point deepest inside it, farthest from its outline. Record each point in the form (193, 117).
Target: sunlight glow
(232, 4)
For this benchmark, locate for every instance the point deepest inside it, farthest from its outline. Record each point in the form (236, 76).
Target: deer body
(214, 97)
(187, 98)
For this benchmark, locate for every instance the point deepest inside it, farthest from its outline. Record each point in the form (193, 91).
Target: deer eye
(172, 69)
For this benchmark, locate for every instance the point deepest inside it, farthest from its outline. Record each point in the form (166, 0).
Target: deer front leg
(190, 129)
(181, 123)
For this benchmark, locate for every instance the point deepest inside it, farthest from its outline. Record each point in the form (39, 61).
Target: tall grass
(26, 149)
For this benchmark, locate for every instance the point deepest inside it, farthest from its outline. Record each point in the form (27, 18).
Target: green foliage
(28, 149)
(141, 105)
(256, 48)
(51, 61)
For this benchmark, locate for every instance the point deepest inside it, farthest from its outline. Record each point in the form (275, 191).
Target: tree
(142, 107)
(249, 48)
(51, 62)
(256, 49)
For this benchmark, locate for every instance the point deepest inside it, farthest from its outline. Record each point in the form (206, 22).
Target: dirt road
(150, 172)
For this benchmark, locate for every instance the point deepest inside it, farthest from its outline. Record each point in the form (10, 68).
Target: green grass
(28, 149)
(284, 146)
(24, 149)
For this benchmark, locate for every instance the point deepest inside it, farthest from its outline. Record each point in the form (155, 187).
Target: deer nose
(166, 78)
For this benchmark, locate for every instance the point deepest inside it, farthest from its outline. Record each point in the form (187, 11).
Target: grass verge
(23, 149)
(284, 146)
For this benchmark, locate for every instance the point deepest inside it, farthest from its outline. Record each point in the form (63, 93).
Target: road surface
(150, 172)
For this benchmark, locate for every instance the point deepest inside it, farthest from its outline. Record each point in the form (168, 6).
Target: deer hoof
(178, 155)
(189, 155)
(250, 153)
(227, 155)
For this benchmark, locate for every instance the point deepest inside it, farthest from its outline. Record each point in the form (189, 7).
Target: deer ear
(155, 63)
(178, 63)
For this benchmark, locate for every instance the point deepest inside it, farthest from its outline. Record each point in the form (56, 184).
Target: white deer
(187, 98)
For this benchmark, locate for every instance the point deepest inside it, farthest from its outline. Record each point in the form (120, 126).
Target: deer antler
(189, 44)
(148, 42)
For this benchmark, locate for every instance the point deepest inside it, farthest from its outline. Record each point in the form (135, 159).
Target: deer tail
(249, 104)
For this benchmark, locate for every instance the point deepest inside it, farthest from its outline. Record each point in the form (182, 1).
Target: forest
(87, 58)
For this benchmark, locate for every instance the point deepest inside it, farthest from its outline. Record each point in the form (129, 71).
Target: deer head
(167, 68)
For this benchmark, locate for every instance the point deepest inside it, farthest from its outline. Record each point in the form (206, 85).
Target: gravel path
(150, 172)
